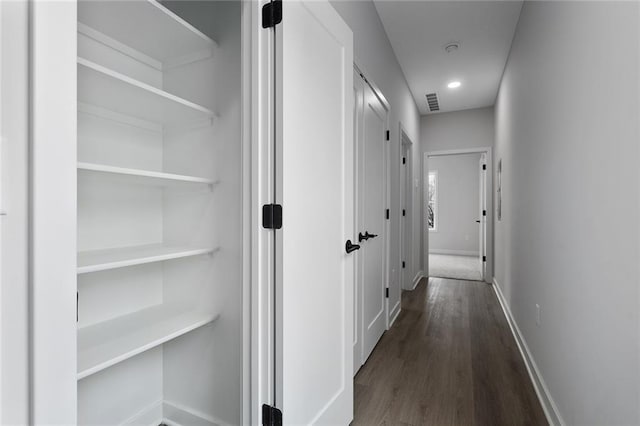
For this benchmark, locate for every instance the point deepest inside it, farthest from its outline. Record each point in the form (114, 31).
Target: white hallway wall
(471, 128)
(568, 134)
(373, 53)
(458, 193)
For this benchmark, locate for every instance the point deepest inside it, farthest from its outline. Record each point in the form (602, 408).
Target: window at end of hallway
(432, 201)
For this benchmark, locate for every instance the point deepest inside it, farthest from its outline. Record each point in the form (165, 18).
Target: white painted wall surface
(471, 128)
(374, 55)
(568, 136)
(458, 205)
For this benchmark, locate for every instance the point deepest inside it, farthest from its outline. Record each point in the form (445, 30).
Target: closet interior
(159, 212)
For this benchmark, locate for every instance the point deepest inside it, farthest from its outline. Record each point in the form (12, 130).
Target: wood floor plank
(449, 359)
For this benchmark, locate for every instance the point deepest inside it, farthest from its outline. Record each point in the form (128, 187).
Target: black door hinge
(484, 258)
(272, 216)
(387, 214)
(271, 416)
(404, 212)
(484, 212)
(387, 135)
(386, 292)
(484, 167)
(404, 160)
(272, 14)
(403, 264)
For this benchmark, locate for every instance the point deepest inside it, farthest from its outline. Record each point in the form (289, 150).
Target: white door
(483, 214)
(314, 184)
(14, 182)
(372, 225)
(406, 261)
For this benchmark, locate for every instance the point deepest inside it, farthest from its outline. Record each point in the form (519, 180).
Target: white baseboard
(455, 252)
(548, 405)
(171, 414)
(179, 415)
(395, 311)
(416, 280)
(150, 415)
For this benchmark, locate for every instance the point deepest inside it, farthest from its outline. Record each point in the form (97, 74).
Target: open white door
(371, 232)
(314, 185)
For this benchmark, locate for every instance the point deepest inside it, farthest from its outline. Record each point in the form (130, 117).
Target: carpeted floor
(457, 267)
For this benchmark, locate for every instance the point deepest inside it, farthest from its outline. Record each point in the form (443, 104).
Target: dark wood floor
(449, 359)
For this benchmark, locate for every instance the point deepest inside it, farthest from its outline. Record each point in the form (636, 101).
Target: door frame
(262, 178)
(407, 202)
(488, 201)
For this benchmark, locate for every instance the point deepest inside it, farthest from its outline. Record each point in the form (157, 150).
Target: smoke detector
(452, 47)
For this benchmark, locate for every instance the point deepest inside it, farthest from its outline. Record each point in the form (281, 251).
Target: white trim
(247, 94)
(416, 279)
(376, 90)
(397, 308)
(262, 184)
(455, 252)
(175, 414)
(548, 405)
(53, 210)
(150, 415)
(407, 202)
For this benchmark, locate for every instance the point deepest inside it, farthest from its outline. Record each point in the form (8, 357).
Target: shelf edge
(143, 348)
(144, 260)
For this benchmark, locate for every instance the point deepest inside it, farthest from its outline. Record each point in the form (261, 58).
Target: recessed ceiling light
(454, 85)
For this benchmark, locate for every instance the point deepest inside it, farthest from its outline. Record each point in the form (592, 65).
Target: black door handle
(477, 221)
(366, 236)
(350, 247)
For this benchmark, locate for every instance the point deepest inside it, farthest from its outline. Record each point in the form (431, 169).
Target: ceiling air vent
(432, 101)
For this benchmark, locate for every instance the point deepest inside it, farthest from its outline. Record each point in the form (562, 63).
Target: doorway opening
(457, 218)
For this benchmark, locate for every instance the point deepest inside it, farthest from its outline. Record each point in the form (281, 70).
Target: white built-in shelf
(102, 260)
(111, 90)
(147, 27)
(146, 177)
(107, 343)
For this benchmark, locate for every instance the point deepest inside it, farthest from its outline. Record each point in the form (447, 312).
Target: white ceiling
(419, 30)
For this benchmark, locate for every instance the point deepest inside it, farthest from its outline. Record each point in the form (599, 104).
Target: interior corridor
(449, 359)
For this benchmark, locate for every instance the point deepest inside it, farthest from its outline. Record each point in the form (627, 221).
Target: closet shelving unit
(147, 232)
